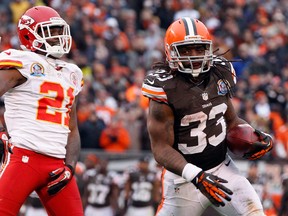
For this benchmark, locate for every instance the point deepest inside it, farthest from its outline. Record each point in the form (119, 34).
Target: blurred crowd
(116, 42)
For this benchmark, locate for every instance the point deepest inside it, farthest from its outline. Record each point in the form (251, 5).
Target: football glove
(59, 179)
(210, 185)
(5, 146)
(261, 147)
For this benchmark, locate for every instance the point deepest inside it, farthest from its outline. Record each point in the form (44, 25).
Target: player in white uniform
(190, 111)
(39, 92)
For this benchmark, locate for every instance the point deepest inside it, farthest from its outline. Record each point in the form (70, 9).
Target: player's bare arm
(61, 176)
(10, 78)
(73, 143)
(160, 125)
(114, 197)
(155, 193)
(128, 190)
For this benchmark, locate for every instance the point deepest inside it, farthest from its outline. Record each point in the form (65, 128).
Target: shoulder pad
(225, 66)
(159, 75)
(153, 85)
(220, 61)
(10, 59)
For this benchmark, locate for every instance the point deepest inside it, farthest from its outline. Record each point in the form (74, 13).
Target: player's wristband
(190, 171)
(71, 168)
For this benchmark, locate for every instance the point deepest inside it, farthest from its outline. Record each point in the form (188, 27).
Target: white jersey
(37, 111)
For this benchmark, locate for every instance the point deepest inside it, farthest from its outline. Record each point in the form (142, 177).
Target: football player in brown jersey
(142, 190)
(100, 191)
(189, 113)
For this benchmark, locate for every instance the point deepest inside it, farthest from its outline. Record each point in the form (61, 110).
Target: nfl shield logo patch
(205, 96)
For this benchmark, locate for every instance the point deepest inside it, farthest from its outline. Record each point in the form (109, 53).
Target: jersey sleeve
(10, 59)
(153, 89)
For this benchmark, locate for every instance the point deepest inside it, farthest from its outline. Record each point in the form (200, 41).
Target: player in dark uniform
(189, 113)
(142, 190)
(100, 192)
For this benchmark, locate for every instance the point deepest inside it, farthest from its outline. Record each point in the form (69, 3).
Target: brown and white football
(240, 138)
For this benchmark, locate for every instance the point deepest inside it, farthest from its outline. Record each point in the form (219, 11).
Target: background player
(100, 191)
(40, 115)
(189, 113)
(142, 190)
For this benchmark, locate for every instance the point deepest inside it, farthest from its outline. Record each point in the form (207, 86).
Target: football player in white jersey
(40, 142)
(190, 111)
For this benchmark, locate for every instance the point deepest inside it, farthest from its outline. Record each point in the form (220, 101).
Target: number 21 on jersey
(51, 106)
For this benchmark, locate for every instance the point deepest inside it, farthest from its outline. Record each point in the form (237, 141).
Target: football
(240, 138)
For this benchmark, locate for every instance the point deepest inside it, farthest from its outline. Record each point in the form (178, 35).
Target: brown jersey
(98, 189)
(199, 126)
(142, 188)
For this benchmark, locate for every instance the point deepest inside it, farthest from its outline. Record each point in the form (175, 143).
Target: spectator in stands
(91, 129)
(113, 34)
(242, 61)
(115, 137)
(262, 106)
(18, 7)
(282, 140)
(165, 12)
(106, 106)
(133, 92)
(283, 211)
(187, 10)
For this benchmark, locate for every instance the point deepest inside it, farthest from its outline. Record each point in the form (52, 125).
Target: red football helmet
(186, 32)
(35, 32)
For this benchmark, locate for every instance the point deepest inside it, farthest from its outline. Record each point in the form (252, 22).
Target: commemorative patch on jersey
(222, 88)
(37, 70)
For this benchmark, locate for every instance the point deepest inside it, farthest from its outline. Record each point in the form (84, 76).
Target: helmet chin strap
(196, 72)
(54, 62)
(192, 71)
(55, 51)
(23, 47)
